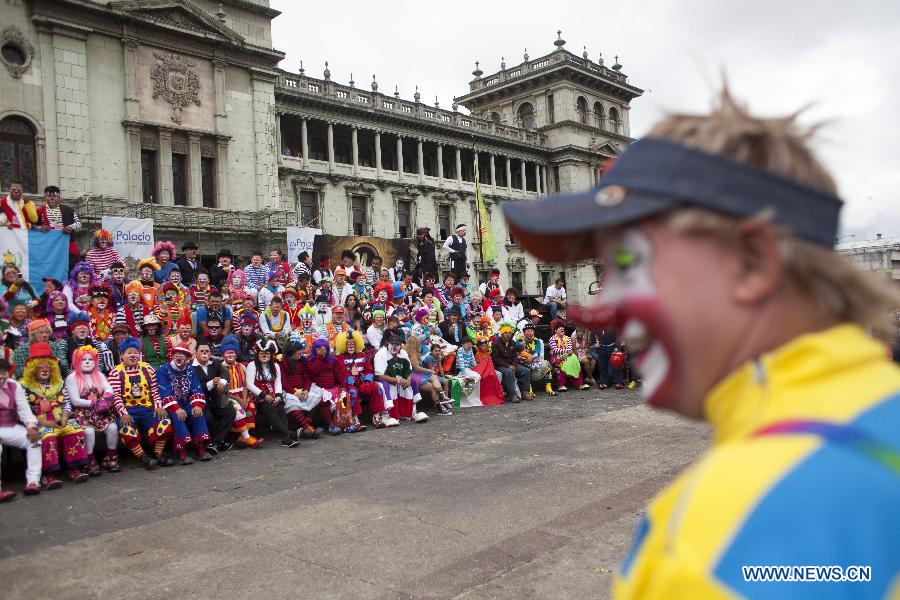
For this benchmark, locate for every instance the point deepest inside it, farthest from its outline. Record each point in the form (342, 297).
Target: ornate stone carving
(404, 193)
(360, 189)
(517, 263)
(208, 151)
(449, 197)
(310, 183)
(149, 143)
(179, 147)
(20, 47)
(177, 83)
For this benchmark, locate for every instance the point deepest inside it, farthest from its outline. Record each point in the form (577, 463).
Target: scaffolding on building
(264, 226)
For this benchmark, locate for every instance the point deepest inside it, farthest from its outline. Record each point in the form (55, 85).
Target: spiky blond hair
(781, 145)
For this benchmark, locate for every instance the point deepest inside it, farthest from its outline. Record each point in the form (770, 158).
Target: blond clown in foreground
(716, 236)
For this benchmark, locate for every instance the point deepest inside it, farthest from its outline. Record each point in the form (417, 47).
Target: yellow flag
(485, 233)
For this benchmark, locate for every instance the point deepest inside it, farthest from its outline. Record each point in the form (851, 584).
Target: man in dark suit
(218, 275)
(218, 411)
(55, 215)
(188, 263)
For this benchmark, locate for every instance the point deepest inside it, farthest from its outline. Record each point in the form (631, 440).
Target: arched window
(342, 153)
(525, 115)
(387, 160)
(317, 149)
(18, 154)
(495, 117)
(598, 115)
(581, 106)
(614, 121)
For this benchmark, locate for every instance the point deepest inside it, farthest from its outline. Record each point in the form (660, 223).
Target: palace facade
(177, 110)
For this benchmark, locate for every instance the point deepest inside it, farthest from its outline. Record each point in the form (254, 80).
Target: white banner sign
(300, 239)
(131, 237)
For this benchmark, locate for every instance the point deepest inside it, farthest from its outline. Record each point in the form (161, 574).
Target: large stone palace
(177, 110)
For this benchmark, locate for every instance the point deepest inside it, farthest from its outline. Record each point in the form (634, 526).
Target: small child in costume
(240, 399)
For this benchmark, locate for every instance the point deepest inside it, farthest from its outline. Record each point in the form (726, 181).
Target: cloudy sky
(778, 55)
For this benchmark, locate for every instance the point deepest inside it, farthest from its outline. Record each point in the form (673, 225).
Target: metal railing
(92, 208)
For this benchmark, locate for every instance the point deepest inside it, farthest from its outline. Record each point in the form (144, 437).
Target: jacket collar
(770, 388)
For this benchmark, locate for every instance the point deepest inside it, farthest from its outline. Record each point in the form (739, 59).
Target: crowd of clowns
(180, 363)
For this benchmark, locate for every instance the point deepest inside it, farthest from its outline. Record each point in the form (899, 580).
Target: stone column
(537, 178)
(221, 113)
(222, 173)
(524, 184)
(544, 174)
(378, 155)
(420, 161)
(508, 176)
(166, 193)
(278, 143)
(330, 147)
(493, 175)
(440, 164)
(399, 158)
(135, 193)
(354, 142)
(195, 179)
(458, 169)
(304, 143)
(132, 104)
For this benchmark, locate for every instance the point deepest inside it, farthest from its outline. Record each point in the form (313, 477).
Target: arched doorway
(18, 154)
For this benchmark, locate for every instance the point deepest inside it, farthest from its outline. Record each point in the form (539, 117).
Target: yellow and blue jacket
(804, 470)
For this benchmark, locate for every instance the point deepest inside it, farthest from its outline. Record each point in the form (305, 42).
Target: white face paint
(628, 286)
(88, 363)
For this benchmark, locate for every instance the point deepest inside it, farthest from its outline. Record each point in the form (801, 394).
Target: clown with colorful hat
(62, 439)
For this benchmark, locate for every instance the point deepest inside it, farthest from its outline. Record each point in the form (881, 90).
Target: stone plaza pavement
(536, 500)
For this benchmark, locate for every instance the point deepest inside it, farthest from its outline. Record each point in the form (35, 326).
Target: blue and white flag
(37, 254)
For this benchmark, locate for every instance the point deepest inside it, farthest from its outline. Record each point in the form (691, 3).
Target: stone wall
(241, 157)
(105, 83)
(72, 113)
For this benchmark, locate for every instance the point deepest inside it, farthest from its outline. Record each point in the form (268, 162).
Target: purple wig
(80, 267)
(319, 343)
(48, 307)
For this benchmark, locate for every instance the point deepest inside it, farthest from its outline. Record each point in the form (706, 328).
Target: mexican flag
(486, 391)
